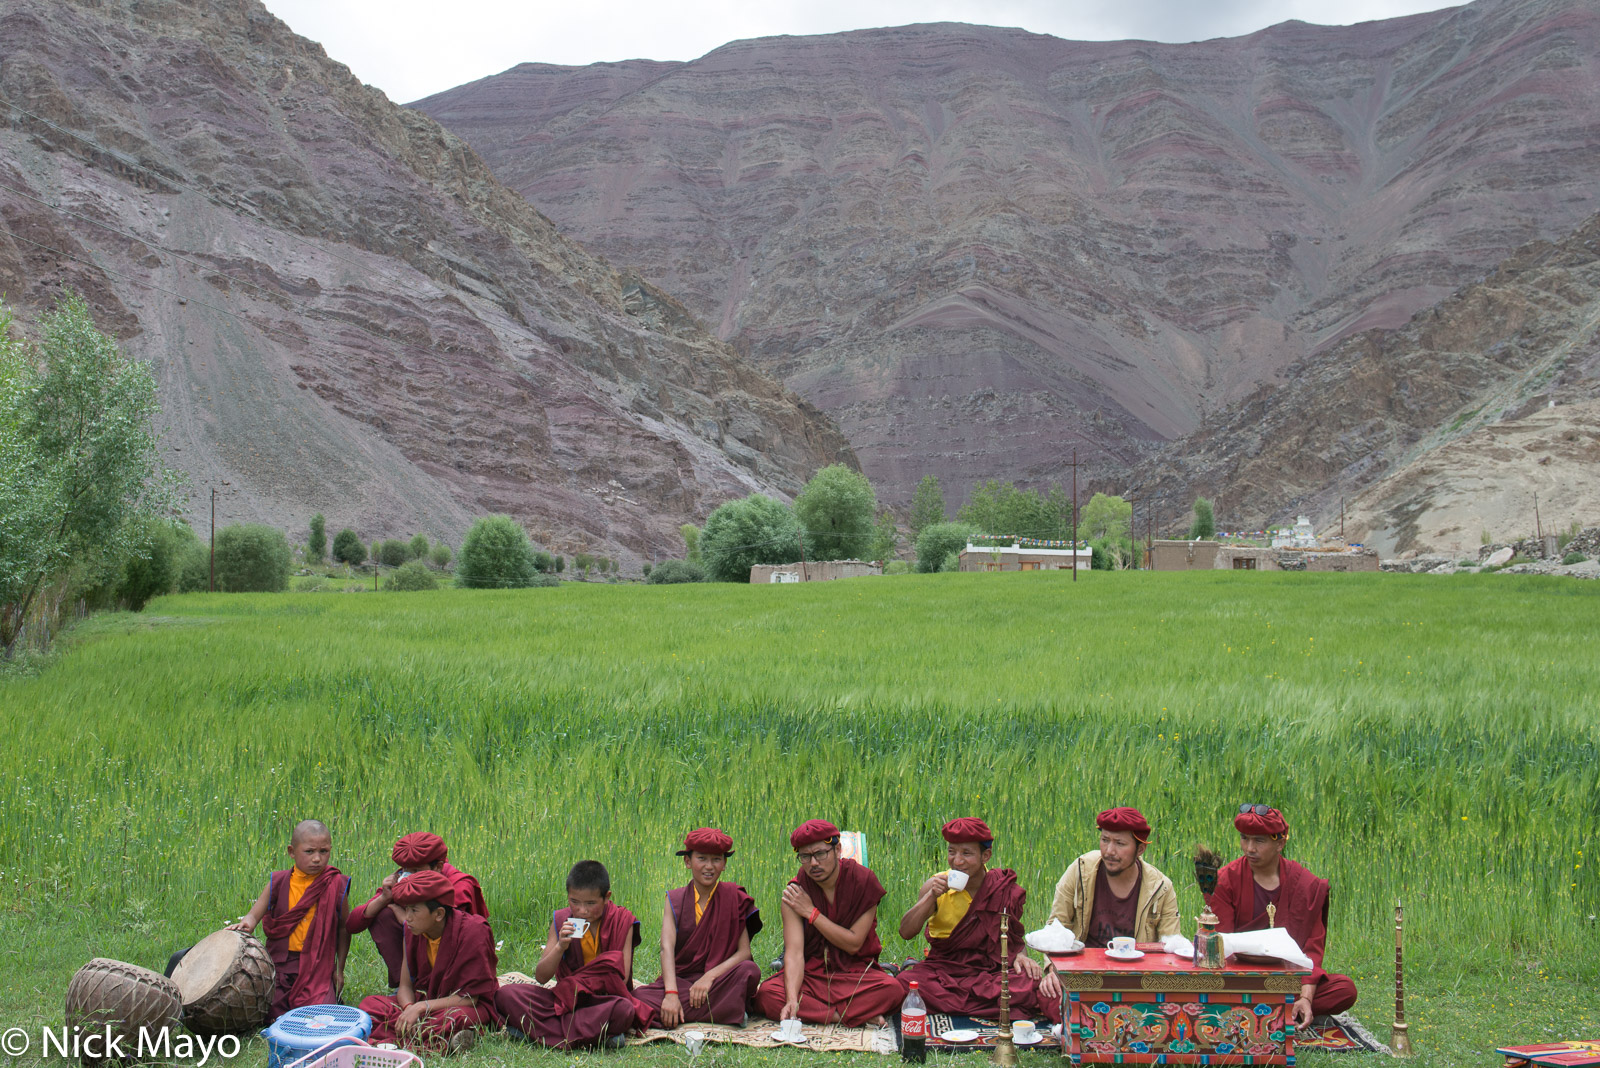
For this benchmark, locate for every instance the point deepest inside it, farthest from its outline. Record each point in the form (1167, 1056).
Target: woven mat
(988, 1032)
(1338, 1034)
(832, 1038)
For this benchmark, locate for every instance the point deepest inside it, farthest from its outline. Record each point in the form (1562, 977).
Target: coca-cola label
(914, 1025)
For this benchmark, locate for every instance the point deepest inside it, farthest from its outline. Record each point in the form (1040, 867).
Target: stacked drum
(225, 982)
(124, 999)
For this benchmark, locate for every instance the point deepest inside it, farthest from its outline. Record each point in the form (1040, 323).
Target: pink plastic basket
(354, 1053)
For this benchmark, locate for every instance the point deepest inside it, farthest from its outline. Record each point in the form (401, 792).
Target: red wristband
(674, 993)
(815, 912)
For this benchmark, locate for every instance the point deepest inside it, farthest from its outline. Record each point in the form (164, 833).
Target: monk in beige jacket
(1111, 891)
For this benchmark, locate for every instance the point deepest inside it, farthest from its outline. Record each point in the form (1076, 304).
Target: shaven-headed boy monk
(706, 928)
(447, 974)
(418, 851)
(302, 913)
(592, 1000)
(830, 939)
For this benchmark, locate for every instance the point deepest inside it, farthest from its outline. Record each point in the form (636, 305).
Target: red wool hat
(425, 886)
(418, 850)
(967, 829)
(1129, 820)
(707, 840)
(812, 831)
(1272, 824)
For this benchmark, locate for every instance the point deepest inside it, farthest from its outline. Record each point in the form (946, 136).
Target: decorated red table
(1161, 1009)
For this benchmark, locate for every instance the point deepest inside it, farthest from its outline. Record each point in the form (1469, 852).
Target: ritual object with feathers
(1206, 866)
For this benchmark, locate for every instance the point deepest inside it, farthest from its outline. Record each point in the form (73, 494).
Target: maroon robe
(835, 983)
(702, 946)
(465, 965)
(305, 977)
(961, 973)
(1302, 909)
(589, 1002)
(389, 934)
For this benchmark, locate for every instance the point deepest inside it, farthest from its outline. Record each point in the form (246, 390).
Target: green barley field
(1431, 739)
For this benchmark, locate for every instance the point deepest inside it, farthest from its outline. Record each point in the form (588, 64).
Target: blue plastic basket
(299, 1031)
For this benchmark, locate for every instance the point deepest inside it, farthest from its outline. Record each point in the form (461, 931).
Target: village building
(1024, 558)
(1213, 555)
(813, 571)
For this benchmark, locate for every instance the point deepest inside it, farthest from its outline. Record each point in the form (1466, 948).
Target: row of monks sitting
(430, 925)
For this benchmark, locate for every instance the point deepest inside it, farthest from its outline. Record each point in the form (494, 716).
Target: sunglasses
(1259, 810)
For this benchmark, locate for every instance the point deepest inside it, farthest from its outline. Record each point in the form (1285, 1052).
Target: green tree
(885, 538)
(1001, 508)
(671, 571)
(348, 548)
(194, 568)
(440, 555)
(79, 463)
(418, 549)
(393, 552)
(927, 505)
(377, 554)
(495, 554)
(742, 533)
(1107, 517)
(317, 543)
(581, 563)
(647, 569)
(411, 576)
(1205, 522)
(691, 542)
(252, 558)
(939, 541)
(155, 571)
(836, 510)
(543, 562)
(561, 563)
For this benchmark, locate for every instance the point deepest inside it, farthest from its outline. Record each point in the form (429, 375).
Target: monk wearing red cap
(418, 851)
(592, 1000)
(302, 913)
(830, 939)
(707, 974)
(961, 973)
(447, 974)
(1262, 877)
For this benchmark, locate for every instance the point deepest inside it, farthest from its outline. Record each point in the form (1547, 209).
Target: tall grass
(1436, 740)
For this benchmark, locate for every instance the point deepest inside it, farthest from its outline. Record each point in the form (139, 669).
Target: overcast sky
(413, 48)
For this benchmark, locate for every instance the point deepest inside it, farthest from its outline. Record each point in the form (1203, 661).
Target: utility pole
(1341, 517)
(800, 537)
(1538, 527)
(1074, 515)
(212, 586)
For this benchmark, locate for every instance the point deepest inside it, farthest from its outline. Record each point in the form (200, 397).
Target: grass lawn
(1431, 739)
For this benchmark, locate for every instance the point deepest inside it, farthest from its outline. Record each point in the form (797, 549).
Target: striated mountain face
(977, 248)
(1434, 433)
(348, 314)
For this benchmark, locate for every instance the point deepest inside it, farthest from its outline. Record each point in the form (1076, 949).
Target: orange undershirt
(299, 883)
(433, 949)
(700, 909)
(590, 944)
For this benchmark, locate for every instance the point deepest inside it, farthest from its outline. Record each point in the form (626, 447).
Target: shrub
(952, 562)
(317, 543)
(392, 553)
(1573, 558)
(495, 554)
(440, 555)
(939, 540)
(155, 571)
(413, 575)
(1100, 557)
(418, 549)
(194, 568)
(252, 558)
(561, 564)
(348, 548)
(669, 571)
(647, 570)
(897, 567)
(742, 533)
(1205, 521)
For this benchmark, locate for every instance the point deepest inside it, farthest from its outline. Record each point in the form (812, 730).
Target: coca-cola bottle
(913, 1028)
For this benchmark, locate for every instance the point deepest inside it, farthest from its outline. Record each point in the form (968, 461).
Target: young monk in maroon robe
(961, 973)
(592, 1000)
(830, 939)
(419, 851)
(1264, 876)
(447, 974)
(707, 975)
(302, 913)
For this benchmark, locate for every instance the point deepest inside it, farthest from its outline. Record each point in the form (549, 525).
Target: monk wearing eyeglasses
(1264, 876)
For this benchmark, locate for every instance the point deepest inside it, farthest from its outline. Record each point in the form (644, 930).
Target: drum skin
(225, 983)
(124, 997)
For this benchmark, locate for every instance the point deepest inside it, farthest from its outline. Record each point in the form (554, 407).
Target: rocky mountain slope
(978, 248)
(347, 312)
(1481, 414)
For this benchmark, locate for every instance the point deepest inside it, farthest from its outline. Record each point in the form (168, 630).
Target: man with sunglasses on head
(1262, 877)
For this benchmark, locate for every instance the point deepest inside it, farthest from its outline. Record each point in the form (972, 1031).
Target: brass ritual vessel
(1208, 952)
(1005, 1050)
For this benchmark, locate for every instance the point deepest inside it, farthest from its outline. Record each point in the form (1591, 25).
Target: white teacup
(1024, 1030)
(955, 880)
(1122, 945)
(789, 1031)
(695, 1041)
(579, 927)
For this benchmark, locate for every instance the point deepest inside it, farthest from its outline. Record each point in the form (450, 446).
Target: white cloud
(411, 48)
